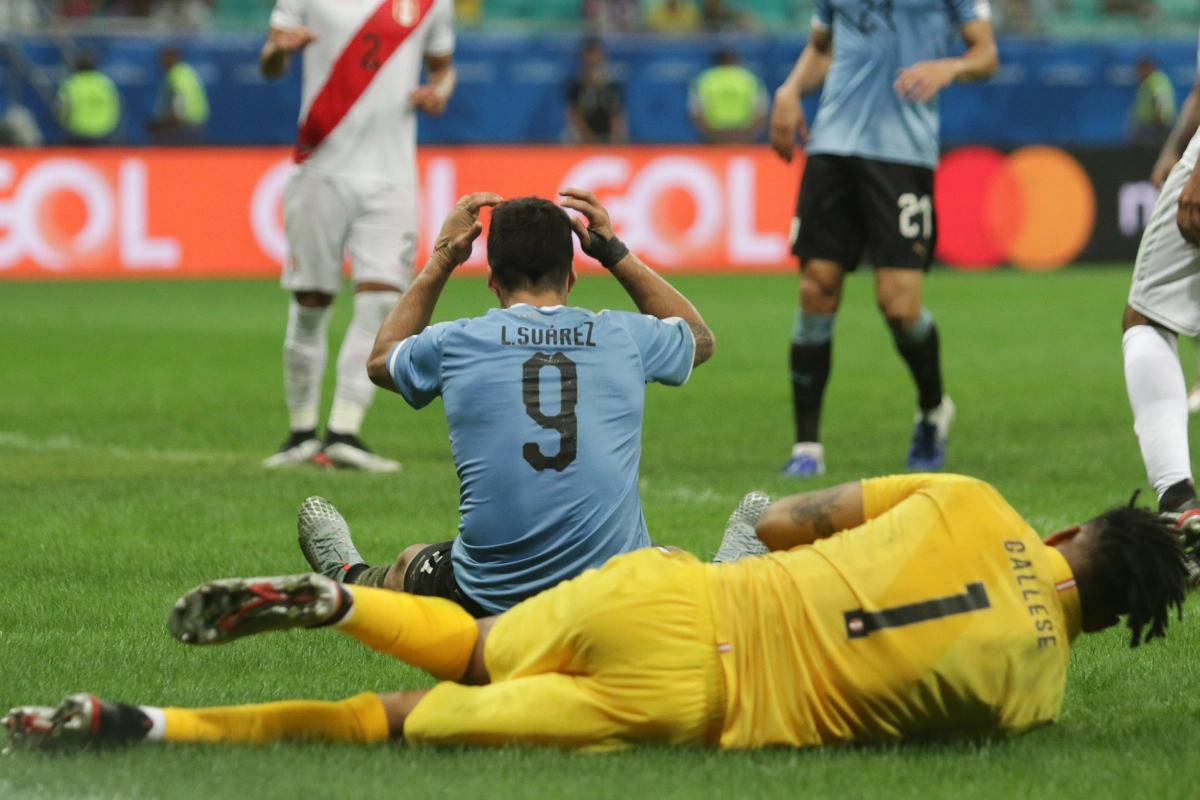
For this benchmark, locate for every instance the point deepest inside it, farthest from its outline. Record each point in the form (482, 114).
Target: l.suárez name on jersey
(580, 336)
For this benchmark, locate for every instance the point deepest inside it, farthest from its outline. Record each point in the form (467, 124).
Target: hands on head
(595, 217)
(462, 227)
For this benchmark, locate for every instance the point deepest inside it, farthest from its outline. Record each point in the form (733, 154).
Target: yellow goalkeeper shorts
(619, 655)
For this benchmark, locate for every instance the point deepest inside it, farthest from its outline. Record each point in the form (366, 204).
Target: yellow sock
(356, 719)
(428, 632)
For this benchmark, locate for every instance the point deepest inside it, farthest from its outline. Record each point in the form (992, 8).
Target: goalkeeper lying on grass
(894, 607)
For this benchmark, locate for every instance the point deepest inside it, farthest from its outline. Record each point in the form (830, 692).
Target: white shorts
(326, 217)
(1166, 275)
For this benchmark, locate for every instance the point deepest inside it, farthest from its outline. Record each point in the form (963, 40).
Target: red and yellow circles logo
(1034, 208)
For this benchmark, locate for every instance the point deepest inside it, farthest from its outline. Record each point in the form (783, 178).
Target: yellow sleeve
(882, 494)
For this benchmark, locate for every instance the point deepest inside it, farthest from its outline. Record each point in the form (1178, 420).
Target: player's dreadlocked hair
(1136, 568)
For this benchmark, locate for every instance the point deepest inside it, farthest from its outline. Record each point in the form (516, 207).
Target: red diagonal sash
(372, 45)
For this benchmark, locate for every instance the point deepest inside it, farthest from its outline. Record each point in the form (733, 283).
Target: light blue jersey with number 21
(545, 413)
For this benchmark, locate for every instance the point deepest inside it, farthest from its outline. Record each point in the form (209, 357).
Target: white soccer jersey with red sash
(355, 117)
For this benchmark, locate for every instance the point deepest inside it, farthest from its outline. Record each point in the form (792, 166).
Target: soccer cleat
(1194, 398)
(347, 450)
(81, 721)
(224, 610)
(740, 540)
(930, 434)
(325, 539)
(299, 448)
(808, 459)
(29, 727)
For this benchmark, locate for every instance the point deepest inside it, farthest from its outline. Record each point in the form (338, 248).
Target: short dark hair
(529, 244)
(84, 62)
(1135, 567)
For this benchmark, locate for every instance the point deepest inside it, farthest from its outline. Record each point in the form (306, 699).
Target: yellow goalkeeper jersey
(943, 612)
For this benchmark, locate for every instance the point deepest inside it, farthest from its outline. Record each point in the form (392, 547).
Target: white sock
(305, 348)
(354, 389)
(1158, 395)
(158, 723)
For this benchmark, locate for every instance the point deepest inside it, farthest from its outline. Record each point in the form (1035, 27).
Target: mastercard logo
(1034, 208)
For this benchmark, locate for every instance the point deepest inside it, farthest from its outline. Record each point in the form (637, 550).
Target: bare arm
(415, 309)
(804, 518)
(923, 80)
(276, 53)
(432, 96)
(649, 291)
(1185, 128)
(787, 116)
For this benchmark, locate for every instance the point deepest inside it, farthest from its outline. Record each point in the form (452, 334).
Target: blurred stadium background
(1044, 161)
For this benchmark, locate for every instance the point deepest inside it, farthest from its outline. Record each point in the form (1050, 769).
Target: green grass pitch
(133, 417)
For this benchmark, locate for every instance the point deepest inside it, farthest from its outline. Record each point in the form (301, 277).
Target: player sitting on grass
(544, 403)
(936, 610)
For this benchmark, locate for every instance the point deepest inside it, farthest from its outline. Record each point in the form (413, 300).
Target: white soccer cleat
(297, 450)
(1194, 398)
(325, 539)
(29, 728)
(347, 450)
(739, 540)
(224, 610)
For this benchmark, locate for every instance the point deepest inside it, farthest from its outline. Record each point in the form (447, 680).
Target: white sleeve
(440, 41)
(289, 14)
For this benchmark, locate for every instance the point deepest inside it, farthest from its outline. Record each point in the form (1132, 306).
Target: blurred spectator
(719, 17)
(88, 106)
(468, 12)
(183, 15)
(595, 110)
(1140, 8)
(19, 128)
(612, 15)
(674, 16)
(1153, 111)
(127, 8)
(76, 8)
(18, 15)
(181, 108)
(728, 102)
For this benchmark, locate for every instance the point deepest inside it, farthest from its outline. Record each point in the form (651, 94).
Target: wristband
(608, 252)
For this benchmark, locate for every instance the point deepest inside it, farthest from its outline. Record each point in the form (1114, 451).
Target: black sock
(352, 575)
(810, 373)
(342, 610)
(122, 724)
(1176, 495)
(925, 363)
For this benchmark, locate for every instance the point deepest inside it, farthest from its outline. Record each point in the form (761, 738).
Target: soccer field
(133, 417)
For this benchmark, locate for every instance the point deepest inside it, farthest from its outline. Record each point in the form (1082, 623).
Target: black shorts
(853, 209)
(431, 574)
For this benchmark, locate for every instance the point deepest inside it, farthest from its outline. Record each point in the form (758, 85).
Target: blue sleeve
(416, 365)
(964, 11)
(822, 17)
(667, 347)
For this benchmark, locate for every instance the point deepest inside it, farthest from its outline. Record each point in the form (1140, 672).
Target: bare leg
(394, 579)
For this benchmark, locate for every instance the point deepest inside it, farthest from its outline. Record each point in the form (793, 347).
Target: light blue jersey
(545, 412)
(860, 112)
